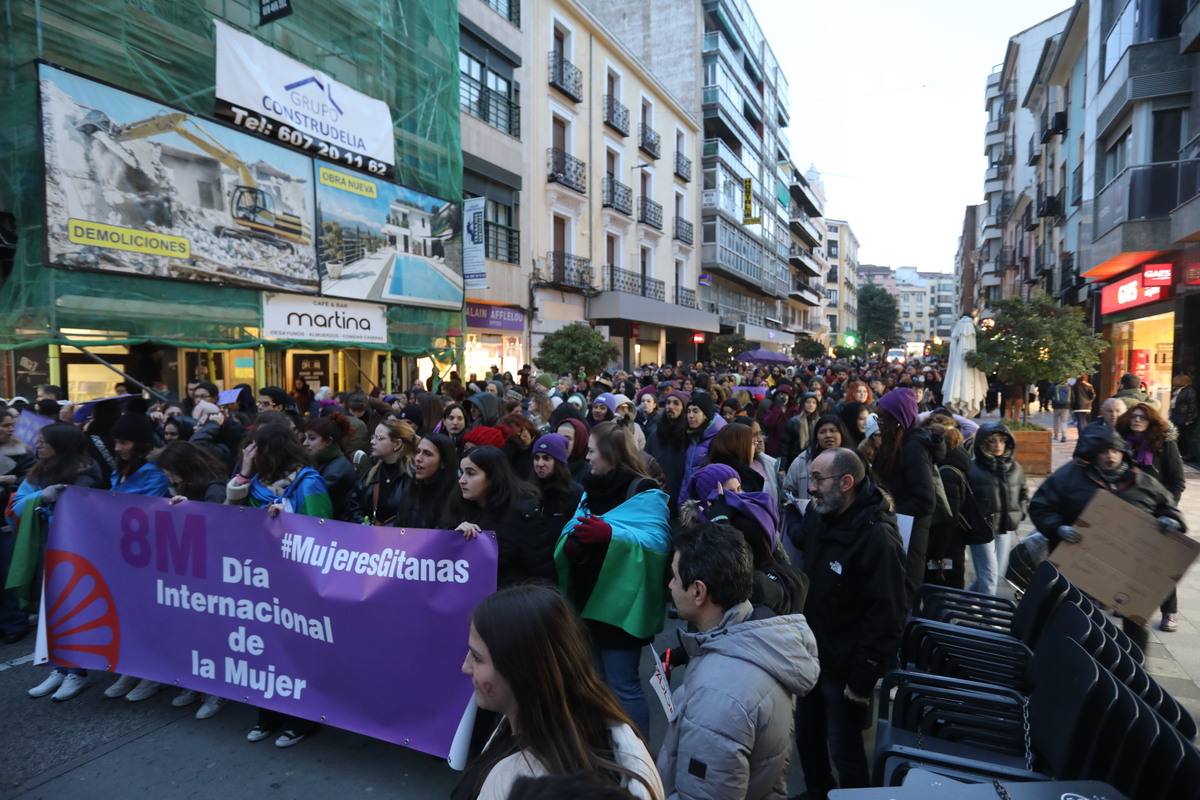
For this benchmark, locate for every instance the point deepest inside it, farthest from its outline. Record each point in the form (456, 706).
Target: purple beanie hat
(552, 444)
(901, 403)
(704, 482)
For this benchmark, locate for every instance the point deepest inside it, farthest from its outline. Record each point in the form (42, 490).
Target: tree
(1036, 339)
(809, 348)
(576, 346)
(878, 317)
(847, 352)
(725, 348)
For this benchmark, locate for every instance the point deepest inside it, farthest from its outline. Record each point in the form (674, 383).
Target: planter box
(1033, 451)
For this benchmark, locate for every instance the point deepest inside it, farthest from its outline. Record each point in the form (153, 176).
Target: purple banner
(358, 627)
(499, 318)
(28, 426)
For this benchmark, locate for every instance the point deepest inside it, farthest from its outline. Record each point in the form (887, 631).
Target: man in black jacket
(854, 559)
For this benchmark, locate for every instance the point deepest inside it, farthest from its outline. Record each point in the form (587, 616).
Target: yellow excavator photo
(252, 209)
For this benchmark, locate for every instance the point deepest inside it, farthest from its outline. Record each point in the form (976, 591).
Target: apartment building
(841, 280)
(493, 62)
(617, 192)
(1005, 264)
(1107, 216)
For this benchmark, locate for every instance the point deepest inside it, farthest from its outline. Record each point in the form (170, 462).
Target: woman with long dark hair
(854, 416)
(193, 474)
(528, 659)
(454, 423)
(1154, 448)
(560, 492)
(274, 474)
(323, 438)
(611, 560)
(492, 498)
(434, 484)
(63, 460)
(908, 457)
(734, 446)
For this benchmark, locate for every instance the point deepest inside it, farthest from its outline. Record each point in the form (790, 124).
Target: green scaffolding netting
(402, 53)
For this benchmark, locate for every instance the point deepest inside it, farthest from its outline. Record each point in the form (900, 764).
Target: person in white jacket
(529, 660)
(731, 731)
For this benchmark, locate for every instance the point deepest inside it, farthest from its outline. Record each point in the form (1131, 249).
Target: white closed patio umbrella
(964, 387)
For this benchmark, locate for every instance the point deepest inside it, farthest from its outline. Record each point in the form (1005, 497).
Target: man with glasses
(851, 551)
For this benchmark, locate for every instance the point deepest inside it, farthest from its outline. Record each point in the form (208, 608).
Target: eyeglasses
(818, 478)
(1142, 417)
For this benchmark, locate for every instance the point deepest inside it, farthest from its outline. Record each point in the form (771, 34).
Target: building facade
(841, 280)
(614, 236)
(1108, 214)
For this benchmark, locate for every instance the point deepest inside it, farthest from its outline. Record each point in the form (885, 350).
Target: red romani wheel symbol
(81, 617)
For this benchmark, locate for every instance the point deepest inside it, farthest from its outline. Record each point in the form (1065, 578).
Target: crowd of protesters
(762, 506)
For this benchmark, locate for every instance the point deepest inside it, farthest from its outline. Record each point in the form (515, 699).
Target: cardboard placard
(1123, 560)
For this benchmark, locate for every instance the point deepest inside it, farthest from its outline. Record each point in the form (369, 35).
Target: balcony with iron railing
(1077, 185)
(685, 297)
(617, 196)
(1035, 149)
(804, 260)
(501, 242)
(490, 106)
(564, 168)
(565, 76)
(650, 212)
(684, 231)
(649, 142)
(622, 280)
(567, 269)
(683, 166)
(803, 225)
(1054, 123)
(616, 116)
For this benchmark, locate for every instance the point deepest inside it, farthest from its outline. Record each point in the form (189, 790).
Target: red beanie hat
(486, 436)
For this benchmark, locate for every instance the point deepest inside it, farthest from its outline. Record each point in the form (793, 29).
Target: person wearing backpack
(1060, 403)
(947, 548)
(998, 482)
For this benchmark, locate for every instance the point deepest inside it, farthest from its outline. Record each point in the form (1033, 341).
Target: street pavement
(92, 748)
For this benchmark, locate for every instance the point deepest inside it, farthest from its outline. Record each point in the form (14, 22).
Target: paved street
(92, 747)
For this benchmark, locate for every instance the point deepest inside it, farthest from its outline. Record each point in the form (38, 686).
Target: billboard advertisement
(381, 242)
(137, 187)
(264, 91)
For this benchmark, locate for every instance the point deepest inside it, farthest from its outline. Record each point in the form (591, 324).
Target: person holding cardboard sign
(1102, 462)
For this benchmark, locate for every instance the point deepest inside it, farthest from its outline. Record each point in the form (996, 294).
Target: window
(1168, 135)
(488, 95)
(1116, 158)
(833, 296)
(831, 249)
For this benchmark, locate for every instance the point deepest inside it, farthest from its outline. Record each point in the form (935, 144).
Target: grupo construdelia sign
(323, 319)
(264, 91)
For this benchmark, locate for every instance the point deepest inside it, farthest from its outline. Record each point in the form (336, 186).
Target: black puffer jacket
(856, 602)
(911, 487)
(341, 482)
(1062, 497)
(999, 481)
(525, 548)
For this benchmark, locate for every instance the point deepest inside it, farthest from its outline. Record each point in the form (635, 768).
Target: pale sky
(887, 102)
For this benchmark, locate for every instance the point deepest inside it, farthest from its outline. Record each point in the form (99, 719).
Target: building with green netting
(145, 227)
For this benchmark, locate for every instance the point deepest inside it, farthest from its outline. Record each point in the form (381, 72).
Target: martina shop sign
(322, 319)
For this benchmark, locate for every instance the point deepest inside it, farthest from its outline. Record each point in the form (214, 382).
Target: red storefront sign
(1128, 293)
(1192, 274)
(1158, 275)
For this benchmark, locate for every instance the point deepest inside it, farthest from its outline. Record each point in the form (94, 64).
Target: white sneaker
(121, 687)
(49, 686)
(146, 688)
(185, 698)
(211, 705)
(73, 685)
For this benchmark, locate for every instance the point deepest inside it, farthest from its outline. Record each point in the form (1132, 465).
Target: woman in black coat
(904, 467)
(1154, 446)
(945, 556)
(434, 484)
(999, 485)
(492, 498)
(323, 439)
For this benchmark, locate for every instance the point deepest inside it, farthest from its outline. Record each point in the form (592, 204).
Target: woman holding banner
(133, 439)
(528, 659)
(612, 559)
(492, 498)
(62, 460)
(274, 474)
